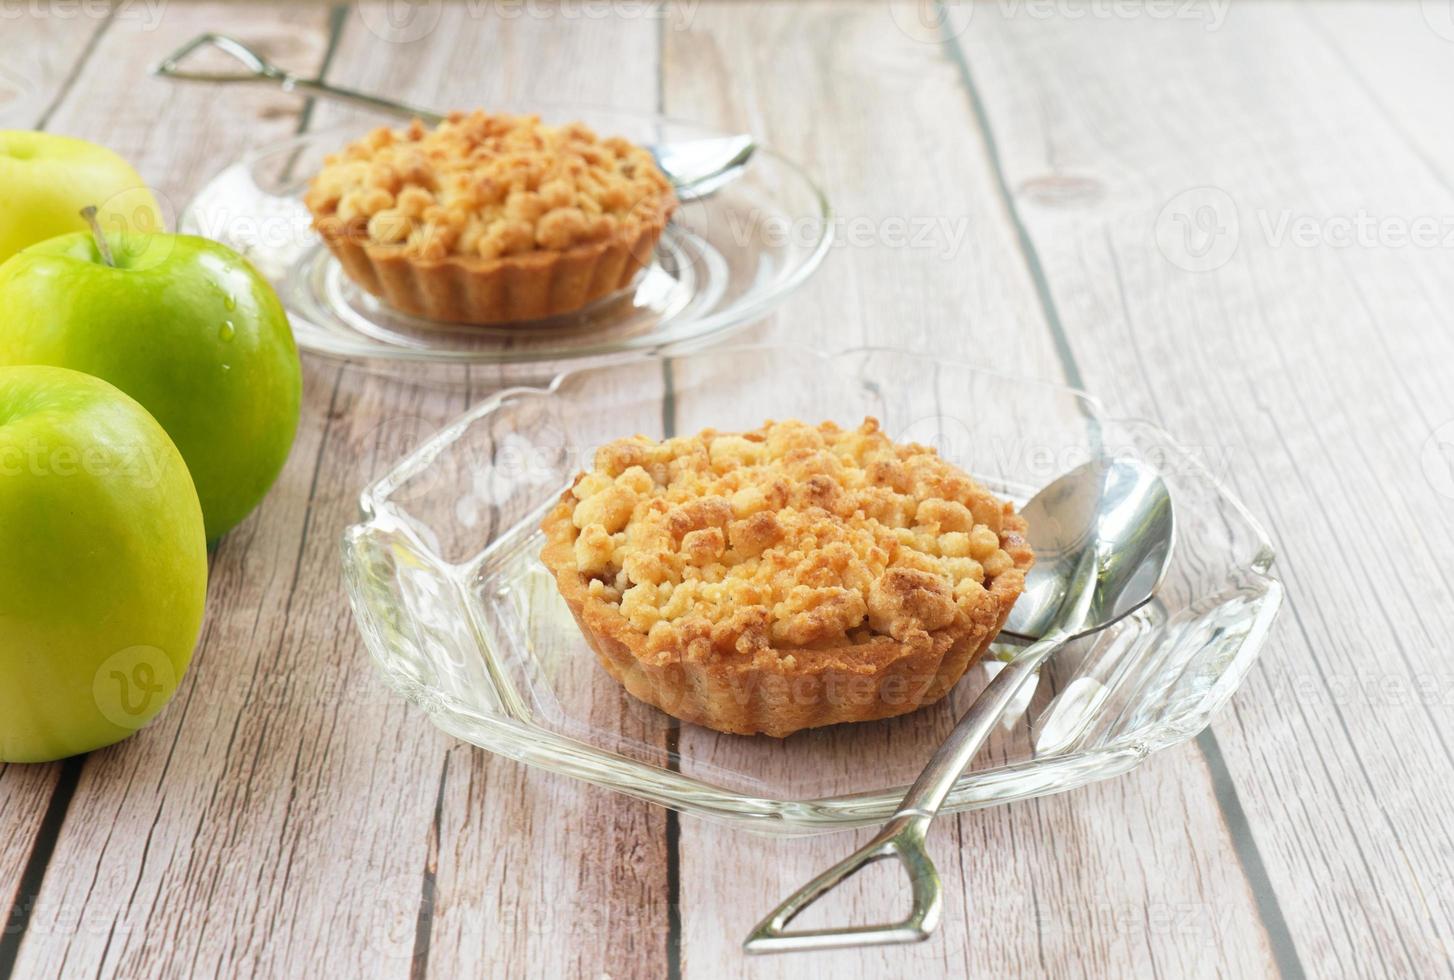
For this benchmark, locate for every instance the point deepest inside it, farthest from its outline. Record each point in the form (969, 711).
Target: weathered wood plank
(275, 752)
(128, 823)
(46, 46)
(1101, 881)
(178, 134)
(25, 797)
(254, 828)
(510, 871)
(45, 52)
(1314, 360)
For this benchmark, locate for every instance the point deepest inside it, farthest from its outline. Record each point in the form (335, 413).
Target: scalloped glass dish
(723, 261)
(456, 608)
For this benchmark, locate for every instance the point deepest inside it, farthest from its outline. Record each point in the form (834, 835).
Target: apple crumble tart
(784, 578)
(490, 218)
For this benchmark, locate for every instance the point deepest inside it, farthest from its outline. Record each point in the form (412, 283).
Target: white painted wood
(316, 823)
(1316, 371)
(520, 859)
(37, 72)
(34, 75)
(25, 793)
(288, 815)
(1106, 880)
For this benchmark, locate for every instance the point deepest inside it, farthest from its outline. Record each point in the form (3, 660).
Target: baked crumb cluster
(488, 186)
(787, 536)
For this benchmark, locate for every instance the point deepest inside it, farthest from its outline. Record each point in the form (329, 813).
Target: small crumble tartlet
(784, 578)
(490, 218)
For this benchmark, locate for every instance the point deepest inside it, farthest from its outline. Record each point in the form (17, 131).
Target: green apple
(183, 325)
(103, 565)
(45, 181)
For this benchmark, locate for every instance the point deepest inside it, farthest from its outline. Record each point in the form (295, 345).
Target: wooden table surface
(1236, 220)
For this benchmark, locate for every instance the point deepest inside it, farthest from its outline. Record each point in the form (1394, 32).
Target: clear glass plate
(722, 262)
(457, 609)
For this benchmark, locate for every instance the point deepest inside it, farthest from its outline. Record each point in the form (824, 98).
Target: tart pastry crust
(785, 578)
(489, 218)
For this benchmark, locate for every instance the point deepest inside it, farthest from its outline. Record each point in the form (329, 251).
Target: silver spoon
(1102, 536)
(695, 167)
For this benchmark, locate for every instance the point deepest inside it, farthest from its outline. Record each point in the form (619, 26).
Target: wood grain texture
(40, 69)
(34, 77)
(1316, 368)
(1010, 186)
(25, 798)
(289, 815)
(510, 864)
(80, 916)
(1126, 878)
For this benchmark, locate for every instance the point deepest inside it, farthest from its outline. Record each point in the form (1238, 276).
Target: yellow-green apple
(103, 565)
(183, 325)
(45, 181)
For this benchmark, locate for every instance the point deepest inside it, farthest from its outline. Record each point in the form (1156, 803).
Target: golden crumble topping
(489, 186)
(788, 536)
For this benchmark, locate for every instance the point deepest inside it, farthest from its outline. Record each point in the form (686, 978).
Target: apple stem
(89, 213)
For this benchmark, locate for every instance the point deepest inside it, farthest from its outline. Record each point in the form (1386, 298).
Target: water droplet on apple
(230, 302)
(228, 331)
(227, 367)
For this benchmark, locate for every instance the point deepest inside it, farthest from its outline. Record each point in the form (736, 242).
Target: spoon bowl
(1115, 512)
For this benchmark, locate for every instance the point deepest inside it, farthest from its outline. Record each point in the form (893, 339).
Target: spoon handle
(259, 69)
(902, 836)
(710, 162)
(927, 795)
